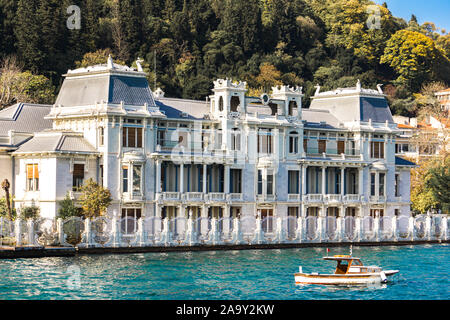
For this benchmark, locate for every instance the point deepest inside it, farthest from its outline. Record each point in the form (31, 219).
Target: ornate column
(205, 177)
(181, 178)
(342, 182)
(226, 179)
(324, 181)
(158, 176)
(304, 177)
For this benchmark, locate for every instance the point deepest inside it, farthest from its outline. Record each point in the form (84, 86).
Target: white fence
(153, 231)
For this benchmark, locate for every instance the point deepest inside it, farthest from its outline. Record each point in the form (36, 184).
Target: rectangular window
(236, 180)
(137, 177)
(269, 183)
(293, 178)
(260, 182)
(265, 141)
(32, 177)
(125, 179)
(322, 146)
(341, 147)
(161, 136)
(101, 136)
(377, 150)
(305, 145)
(381, 184)
(78, 176)
(100, 173)
(372, 184)
(397, 185)
(132, 137)
(293, 144)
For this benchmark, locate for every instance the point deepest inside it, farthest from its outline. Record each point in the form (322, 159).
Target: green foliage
(94, 199)
(438, 184)
(412, 55)
(29, 212)
(4, 209)
(193, 42)
(68, 209)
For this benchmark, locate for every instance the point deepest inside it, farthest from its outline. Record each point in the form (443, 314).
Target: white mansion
(228, 156)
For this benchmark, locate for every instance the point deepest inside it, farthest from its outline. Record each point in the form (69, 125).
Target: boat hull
(343, 279)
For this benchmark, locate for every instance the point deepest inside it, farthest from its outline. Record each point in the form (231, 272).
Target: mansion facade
(230, 155)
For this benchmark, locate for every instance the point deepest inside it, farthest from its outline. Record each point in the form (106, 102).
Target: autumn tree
(438, 183)
(94, 199)
(412, 55)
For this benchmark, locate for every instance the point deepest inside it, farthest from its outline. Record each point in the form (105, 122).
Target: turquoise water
(253, 274)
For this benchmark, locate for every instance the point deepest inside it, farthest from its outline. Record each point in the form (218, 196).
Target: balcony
(265, 198)
(332, 198)
(294, 197)
(193, 196)
(313, 198)
(132, 196)
(352, 198)
(215, 196)
(235, 197)
(377, 199)
(169, 196)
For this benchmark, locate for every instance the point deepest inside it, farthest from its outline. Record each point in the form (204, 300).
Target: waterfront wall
(105, 232)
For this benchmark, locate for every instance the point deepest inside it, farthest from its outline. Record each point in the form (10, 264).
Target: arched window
(220, 103)
(234, 103)
(292, 107)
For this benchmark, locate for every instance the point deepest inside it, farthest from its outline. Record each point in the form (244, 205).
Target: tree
(4, 211)
(68, 209)
(18, 86)
(412, 55)
(29, 212)
(98, 57)
(422, 197)
(94, 199)
(439, 184)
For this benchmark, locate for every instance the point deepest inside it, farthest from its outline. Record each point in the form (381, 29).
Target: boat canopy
(341, 257)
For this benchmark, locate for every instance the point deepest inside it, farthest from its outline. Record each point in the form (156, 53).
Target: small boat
(349, 271)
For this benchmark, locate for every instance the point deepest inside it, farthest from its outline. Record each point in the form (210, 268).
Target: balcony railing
(352, 198)
(294, 197)
(235, 197)
(332, 198)
(170, 196)
(264, 198)
(377, 199)
(193, 196)
(215, 196)
(313, 198)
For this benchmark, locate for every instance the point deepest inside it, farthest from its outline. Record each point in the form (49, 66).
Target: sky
(436, 11)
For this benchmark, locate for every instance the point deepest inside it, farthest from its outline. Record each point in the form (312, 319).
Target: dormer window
(234, 103)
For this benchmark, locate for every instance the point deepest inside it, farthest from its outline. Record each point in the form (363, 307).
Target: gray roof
(174, 108)
(24, 117)
(355, 107)
(65, 142)
(107, 87)
(375, 109)
(315, 117)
